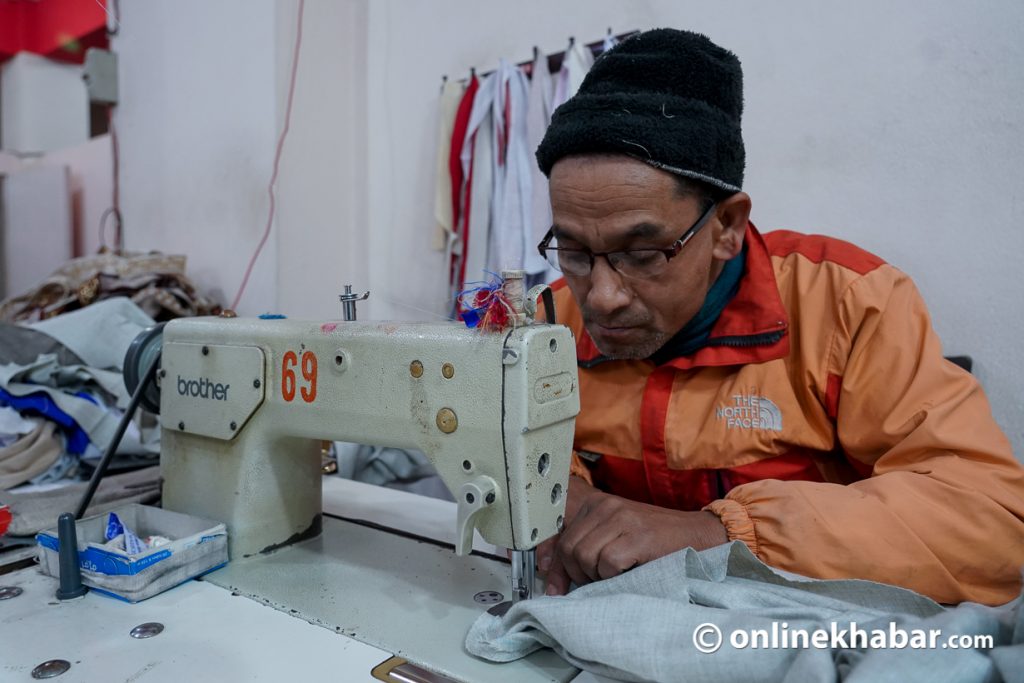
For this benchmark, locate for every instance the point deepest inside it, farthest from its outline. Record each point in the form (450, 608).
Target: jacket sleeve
(942, 510)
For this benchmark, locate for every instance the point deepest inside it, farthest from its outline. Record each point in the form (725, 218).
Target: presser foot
(524, 576)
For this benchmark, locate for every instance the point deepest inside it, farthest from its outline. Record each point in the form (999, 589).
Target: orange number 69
(288, 380)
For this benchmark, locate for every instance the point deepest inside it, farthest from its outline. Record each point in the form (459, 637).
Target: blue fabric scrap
(41, 404)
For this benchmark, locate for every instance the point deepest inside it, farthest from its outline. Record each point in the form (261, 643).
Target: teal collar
(695, 334)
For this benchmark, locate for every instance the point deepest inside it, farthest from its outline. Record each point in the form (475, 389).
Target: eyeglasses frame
(669, 252)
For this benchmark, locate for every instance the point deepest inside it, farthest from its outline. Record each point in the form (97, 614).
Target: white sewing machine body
(245, 404)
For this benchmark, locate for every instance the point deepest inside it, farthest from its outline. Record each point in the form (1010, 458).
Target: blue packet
(132, 544)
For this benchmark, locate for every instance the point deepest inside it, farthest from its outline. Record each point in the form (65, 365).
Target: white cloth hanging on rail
(502, 209)
(444, 225)
(538, 116)
(478, 169)
(577, 62)
(512, 201)
(482, 194)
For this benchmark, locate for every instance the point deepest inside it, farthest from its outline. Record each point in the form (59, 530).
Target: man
(783, 390)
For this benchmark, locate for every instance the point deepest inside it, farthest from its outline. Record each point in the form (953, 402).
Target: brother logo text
(202, 388)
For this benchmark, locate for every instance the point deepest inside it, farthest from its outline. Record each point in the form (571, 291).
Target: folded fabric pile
(156, 283)
(62, 393)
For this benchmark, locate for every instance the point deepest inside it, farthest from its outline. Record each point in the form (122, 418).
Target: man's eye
(638, 259)
(574, 256)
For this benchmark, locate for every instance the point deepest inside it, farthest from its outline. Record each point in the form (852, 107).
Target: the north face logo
(750, 412)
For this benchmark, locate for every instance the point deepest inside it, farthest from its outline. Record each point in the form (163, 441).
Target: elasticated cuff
(738, 524)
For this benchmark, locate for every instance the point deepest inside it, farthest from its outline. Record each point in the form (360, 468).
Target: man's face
(614, 203)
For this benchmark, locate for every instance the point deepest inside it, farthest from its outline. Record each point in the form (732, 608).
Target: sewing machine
(246, 403)
(362, 579)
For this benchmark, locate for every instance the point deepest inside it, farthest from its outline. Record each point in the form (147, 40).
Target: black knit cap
(670, 98)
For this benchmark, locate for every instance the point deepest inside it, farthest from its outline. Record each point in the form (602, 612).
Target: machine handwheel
(143, 349)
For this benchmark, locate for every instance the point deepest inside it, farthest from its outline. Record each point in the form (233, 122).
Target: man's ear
(731, 225)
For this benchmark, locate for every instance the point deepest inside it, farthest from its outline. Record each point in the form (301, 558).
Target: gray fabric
(94, 420)
(640, 626)
(23, 345)
(35, 511)
(100, 333)
(397, 468)
(432, 486)
(46, 371)
(62, 382)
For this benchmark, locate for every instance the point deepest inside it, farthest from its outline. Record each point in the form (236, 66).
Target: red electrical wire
(277, 158)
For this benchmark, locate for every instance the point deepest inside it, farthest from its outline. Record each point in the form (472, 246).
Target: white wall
(197, 123)
(321, 230)
(895, 125)
(43, 105)
(199, 126)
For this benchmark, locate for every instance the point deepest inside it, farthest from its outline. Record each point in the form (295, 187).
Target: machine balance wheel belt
(143, 349)
(140, 377)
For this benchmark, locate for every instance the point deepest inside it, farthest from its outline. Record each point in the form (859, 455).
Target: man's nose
(607, 292)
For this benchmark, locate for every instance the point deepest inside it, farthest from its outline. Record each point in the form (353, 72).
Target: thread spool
(514, 288)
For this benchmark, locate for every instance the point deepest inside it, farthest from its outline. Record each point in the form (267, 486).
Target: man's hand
(605, 535)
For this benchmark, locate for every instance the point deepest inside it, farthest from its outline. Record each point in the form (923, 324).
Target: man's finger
(545, 551)
(619, 556)
(566, 559)
(590, 548)
(580, 543)
(558, 580)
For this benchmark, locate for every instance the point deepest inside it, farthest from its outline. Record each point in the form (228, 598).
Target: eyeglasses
(638, 264)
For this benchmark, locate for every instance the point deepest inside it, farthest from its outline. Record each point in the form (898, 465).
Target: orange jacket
(821, 424)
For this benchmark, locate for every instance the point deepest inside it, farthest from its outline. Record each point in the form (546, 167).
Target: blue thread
(473, 302)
